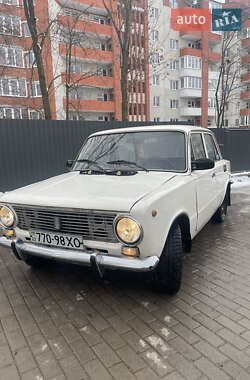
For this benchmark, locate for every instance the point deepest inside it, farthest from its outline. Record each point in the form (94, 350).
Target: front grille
(92, 225)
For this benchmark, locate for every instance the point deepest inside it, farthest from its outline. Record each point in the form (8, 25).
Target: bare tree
(120, 14)
(38, 41)
(229, 80)
(72, 36)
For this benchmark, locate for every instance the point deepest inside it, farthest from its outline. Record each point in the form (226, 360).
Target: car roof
(182, 128)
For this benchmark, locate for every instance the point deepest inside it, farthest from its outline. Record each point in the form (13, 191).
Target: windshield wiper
(129, 163)
(91, 162)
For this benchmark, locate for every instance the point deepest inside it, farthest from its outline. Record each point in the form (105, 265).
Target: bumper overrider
(98, 260)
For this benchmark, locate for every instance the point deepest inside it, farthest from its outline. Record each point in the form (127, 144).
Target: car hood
(98, 192)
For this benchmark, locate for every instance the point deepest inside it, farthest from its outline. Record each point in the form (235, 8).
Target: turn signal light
(131, 252)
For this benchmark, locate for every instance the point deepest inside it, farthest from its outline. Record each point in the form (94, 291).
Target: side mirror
(202, 164)
(69, 163)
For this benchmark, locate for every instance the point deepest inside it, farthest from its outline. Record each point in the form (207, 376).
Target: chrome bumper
(94, 258)
(5, 242)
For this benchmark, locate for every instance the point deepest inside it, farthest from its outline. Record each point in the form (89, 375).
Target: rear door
(220, 170)
(206, 187)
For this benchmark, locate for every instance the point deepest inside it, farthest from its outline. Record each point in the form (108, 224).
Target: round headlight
(128, 230)
(7, 217)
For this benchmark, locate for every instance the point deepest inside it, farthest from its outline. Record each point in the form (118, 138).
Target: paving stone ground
(62, 323)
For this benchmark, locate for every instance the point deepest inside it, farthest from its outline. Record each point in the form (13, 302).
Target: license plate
(57, 240)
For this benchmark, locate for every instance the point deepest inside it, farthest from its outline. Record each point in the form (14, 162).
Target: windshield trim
(156, 131)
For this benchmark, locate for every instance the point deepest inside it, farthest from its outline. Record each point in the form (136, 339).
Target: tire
(168, 273)
(221, 213)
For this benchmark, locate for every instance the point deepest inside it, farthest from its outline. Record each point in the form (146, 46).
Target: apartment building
(81, 58)
(183, 70)
(20, 95)
(87, 59)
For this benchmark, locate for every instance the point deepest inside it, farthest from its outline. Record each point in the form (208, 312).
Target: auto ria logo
(191, 19)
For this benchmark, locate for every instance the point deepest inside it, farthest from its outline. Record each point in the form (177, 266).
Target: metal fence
(31, 151)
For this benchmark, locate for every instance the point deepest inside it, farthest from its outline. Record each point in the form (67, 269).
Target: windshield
(161, 151)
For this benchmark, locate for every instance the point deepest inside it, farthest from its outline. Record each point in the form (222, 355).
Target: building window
(211, 102)
(174, 120)
(30, 59)
(10, 2)
(26, 30)
(173, 4)
(103, 118)
(156, 80)
(10, 25)
(156, 119)
(13, 113)
(174, 44)
(194, 104)
(156, 101)
(174, 64)
(174, 103)
(189, 62)
(36, 115)
(155, 35)
(35, 90)
(11, 56)
(191, 82)
(237, 122)
(13, 87)
(174, 84)
(212, 84)
(154, 12)
(155, 59)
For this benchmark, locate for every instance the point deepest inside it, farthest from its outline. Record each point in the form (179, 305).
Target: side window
(197, 147)
(211, 148)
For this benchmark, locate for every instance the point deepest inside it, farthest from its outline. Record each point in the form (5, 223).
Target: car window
(211, 147)
(160, 150)
(197, 146)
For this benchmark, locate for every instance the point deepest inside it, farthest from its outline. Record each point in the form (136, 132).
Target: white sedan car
(133, 200)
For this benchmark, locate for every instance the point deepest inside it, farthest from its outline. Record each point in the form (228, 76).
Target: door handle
(213, 175)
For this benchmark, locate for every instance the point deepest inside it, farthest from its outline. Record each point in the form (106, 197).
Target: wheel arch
(183, 221)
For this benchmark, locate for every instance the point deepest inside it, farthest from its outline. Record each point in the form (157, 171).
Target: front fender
(174, 198)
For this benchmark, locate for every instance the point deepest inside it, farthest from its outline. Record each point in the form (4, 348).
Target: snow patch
(167, 319)
(165, 332)
(158, 342)
(240, 181)
(156, 359)
(79, 297)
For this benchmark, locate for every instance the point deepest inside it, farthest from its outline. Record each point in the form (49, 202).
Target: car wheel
(168, 273)
(221, 213)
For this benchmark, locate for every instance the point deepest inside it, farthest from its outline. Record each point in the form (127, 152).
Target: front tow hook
(96, 264)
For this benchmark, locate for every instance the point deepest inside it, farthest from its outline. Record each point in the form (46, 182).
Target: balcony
(90, 105)
(190, 51)
(92, 6)
(190, 93)
(245, 112)
(194, 36)
(196, 111)
(245, 95)
(91, 80)
(85, 26)
(190, 73)
(93, 55)
(245, 77)
(245, 42)
(245, 59)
